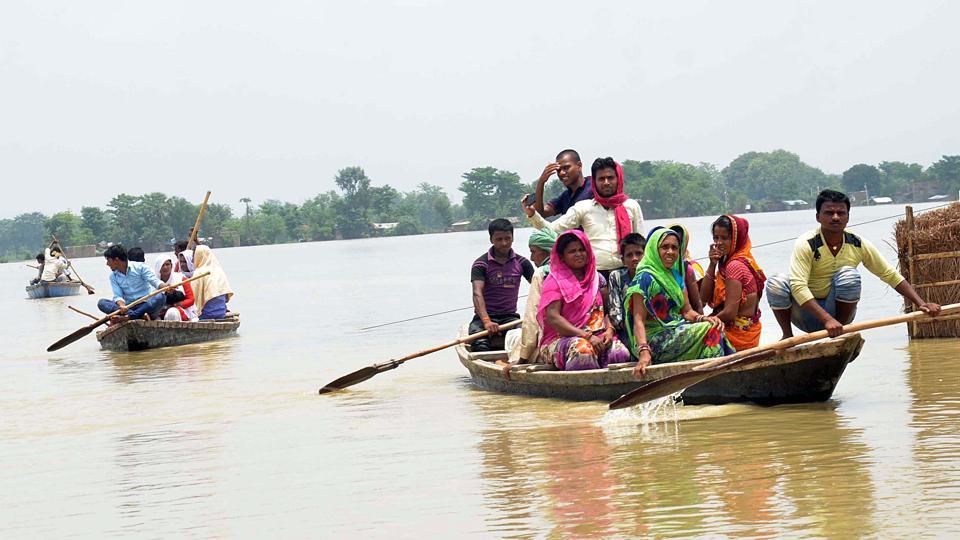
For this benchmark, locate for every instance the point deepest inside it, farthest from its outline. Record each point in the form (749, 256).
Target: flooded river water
(230, 439)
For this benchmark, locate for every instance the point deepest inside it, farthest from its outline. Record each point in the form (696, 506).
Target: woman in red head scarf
(734, 281)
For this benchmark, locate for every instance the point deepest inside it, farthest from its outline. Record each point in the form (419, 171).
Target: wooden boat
(140, 335)
(807, 373)
(54, 289)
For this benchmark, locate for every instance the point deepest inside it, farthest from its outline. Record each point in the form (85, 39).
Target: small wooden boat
(140, 335)
(54, 289)
(807, 373)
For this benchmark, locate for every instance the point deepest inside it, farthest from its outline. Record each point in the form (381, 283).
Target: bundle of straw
(936, 231)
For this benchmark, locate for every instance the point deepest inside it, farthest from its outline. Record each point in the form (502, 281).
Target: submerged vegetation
(359, 209)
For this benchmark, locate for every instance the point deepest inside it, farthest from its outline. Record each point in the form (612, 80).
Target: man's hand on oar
(63, 342)
(365, 373)
(679, 381)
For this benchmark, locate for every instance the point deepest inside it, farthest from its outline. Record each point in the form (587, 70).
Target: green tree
(215, 219)
(863, 176)
(182, 215)
(946, 172)
(773, 176)
(491, 193)
(384, 203)
(127, 224)
(97, 222)
(354, 206)
(318, 217)
(68, 228)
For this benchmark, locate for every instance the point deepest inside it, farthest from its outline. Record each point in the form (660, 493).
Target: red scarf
(615, 202)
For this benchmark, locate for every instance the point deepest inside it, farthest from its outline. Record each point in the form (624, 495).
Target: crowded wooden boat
(140, 335)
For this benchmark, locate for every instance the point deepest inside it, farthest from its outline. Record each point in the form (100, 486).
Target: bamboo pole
(928, 256)
(912, 327)
(196, 226)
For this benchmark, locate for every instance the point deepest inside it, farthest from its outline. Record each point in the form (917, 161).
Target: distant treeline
(358, 209)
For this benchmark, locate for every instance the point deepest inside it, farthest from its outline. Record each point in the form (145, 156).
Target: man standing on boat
(823, 288)
(130, 280)
(569, 170)
(606, 218)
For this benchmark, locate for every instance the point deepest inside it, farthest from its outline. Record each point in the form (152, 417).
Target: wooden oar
(365, 373)
(196, 226)
(90, 327)
(674, 383)
(80, 279)
(94, 317)
(34, 266)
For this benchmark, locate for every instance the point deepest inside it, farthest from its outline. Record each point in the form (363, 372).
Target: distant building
(385, 226)
(881, 200)
(460, 226)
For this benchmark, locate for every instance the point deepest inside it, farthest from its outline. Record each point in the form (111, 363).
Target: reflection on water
(733, 470)
(230, 439)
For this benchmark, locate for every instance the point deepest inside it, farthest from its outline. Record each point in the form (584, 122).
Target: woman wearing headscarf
(185, 258)
(521, 343)
(576, 332)
(734, 275)
(180, 301)
(662, 325)
(211, 292)
(690, 279)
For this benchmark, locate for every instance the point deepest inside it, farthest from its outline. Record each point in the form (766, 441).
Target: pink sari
(577, 298)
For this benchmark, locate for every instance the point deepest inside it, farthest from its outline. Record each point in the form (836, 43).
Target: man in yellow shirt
(823, 288)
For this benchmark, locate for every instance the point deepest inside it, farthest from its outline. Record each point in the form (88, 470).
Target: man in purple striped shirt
(495, 276)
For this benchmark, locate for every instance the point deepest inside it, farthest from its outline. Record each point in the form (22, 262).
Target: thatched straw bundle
(936, 231)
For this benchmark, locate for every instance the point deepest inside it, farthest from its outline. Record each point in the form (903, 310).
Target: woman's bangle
(643, 347)
(699, 318)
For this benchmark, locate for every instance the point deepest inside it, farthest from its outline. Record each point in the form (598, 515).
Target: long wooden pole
(912, 327)
(196, 226)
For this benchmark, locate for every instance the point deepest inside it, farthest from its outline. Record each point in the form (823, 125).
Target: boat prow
(808, 373)
(139, 335)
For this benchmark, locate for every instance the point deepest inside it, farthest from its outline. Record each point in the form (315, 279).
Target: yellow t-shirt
(813, 266)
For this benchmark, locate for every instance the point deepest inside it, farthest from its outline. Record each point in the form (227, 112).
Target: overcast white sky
(269, 99)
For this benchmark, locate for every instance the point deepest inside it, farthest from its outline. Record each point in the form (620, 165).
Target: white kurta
(600, 226)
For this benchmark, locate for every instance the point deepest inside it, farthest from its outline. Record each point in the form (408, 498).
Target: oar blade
(351, 379)
(681, 381)
(660, 388)
(71, 338)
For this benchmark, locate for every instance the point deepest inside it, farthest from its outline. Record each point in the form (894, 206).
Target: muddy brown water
(229, 439)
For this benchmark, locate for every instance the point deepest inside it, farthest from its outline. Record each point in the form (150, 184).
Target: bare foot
(146, 316)
(118, 319)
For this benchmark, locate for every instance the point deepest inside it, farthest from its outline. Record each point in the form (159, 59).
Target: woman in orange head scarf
(734, 274)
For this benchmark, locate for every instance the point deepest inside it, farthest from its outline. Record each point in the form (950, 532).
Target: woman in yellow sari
(211, 293)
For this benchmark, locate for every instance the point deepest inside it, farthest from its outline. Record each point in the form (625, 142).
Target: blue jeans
(152, 306)
(845, 287)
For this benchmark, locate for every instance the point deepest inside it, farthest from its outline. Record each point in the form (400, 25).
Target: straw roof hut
(937, 279)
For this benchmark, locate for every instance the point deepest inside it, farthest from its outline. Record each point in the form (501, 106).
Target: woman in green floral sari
(661, 324)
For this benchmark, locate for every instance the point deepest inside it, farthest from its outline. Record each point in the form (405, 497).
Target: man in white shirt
(605, 219)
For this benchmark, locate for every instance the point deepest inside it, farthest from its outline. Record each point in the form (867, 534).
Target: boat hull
(803, 374)
(54, 289)
(142, 335)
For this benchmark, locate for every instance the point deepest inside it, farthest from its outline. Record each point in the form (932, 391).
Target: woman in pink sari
(576, 332)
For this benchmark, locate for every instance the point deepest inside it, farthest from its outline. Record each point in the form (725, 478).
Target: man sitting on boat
(823, 288)
(569, 170)
(606, 219)
(495, 278)
(54, 266)
(130, 280)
